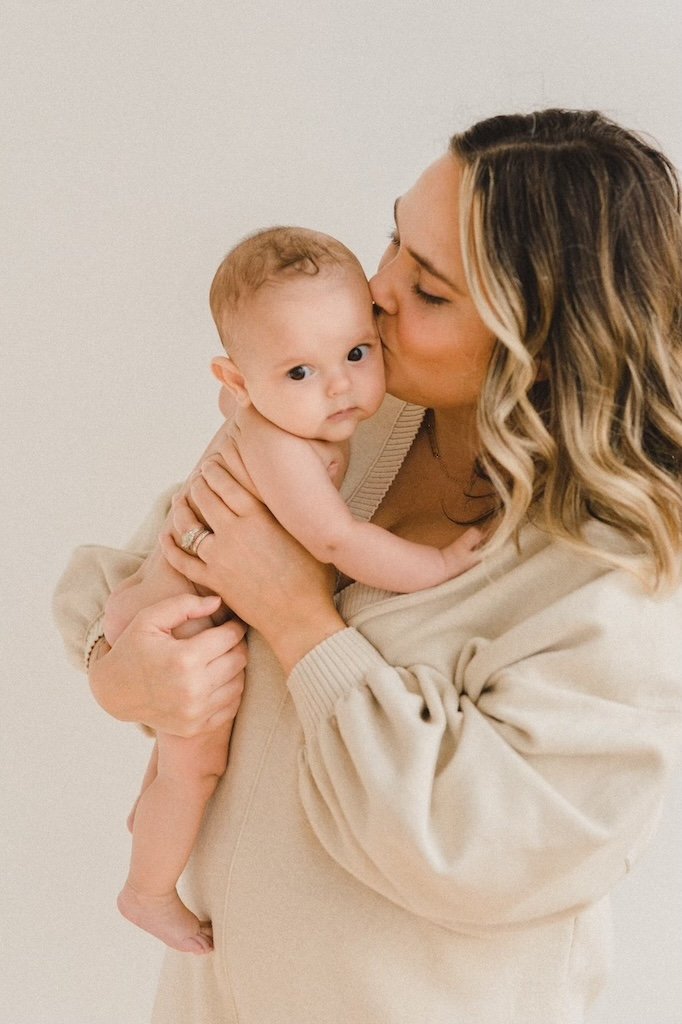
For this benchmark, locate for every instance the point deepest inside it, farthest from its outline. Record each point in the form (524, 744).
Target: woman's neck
(453, 442)
(434, 496)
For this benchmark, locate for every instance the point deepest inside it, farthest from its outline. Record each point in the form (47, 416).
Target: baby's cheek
(226, 402)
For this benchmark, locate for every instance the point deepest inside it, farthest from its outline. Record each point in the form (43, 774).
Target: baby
(304, 363)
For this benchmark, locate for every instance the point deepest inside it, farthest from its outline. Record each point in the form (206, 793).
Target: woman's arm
(248, 541)
(93, 571)
(130, 681)
(519, 785)
(521, 798)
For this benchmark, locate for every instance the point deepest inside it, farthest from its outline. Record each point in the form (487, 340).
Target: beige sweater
(422, 824)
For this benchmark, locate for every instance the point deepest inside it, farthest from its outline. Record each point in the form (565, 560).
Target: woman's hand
(258, 569)
(183, 687)
(154, 581)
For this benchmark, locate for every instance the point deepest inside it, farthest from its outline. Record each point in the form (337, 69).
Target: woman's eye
(393, 237)
(357, 353)
(299, 372)
(430, 300)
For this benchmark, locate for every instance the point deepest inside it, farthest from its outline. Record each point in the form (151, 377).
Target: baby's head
(294, 313)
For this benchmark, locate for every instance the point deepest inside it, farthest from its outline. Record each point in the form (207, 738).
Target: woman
(430, 796)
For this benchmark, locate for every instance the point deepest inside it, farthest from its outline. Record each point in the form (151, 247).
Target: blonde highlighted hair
(572, 241)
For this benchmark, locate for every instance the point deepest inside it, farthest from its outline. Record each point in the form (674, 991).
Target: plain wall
(140, 141)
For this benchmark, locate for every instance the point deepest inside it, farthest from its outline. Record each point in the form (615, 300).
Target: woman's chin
(398, 388)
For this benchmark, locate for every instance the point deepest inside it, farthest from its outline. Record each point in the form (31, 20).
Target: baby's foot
(168, 919)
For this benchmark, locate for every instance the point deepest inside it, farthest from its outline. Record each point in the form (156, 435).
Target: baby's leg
(147, 778)
(187, 629)
(167, 820)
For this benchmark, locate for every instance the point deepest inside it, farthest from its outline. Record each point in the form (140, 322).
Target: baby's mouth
(342, 413)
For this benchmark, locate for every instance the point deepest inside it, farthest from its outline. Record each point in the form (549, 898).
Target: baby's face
(311, 356)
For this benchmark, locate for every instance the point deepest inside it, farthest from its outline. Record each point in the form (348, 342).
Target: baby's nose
(339, 383)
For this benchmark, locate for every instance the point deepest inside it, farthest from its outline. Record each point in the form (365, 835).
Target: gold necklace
(430, 422)
(485, 516)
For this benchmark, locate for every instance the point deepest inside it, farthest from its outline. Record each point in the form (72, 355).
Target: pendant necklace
(430, 423)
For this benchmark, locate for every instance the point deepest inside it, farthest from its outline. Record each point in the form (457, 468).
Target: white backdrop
(139, 141)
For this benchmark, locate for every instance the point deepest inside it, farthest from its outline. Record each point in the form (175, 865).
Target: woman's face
(436, 347)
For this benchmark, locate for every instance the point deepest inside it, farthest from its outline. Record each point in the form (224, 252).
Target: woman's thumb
(173, 611)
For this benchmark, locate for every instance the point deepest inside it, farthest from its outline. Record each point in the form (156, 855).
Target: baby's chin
(340, 430)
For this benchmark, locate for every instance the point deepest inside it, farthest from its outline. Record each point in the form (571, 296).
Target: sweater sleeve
(90, 575)
(522, 786)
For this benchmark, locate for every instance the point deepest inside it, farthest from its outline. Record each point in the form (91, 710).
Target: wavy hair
(572, 240)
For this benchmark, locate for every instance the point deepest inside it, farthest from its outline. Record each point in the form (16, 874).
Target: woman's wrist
(105, 689)
(294, 640)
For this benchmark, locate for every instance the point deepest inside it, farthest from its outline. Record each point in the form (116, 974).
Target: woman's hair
(572, 243)
(272, 256)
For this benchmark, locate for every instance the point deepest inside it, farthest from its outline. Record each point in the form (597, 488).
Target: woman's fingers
(222, 717)
(225, 673)
(186, 524)
(221, 482)
(212, 499)
(172, 684)
(168, 614)
(214, 508)
(214, 643)
(190, 566)
(228, 692)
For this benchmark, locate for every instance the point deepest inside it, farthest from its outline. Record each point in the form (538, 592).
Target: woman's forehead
(427, 217)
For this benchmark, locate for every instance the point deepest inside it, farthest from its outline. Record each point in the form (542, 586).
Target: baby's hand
(463, 553)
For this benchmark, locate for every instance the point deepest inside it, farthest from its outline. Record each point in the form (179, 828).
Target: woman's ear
(227, 372)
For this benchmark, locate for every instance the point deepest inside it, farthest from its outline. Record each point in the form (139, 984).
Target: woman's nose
(381, 290)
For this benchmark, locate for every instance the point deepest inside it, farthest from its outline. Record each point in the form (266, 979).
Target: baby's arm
(293, 482)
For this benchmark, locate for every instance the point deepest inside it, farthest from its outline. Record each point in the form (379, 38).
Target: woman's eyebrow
(422, 260)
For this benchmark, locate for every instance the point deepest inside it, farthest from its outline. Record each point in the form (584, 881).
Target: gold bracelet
(96, 650)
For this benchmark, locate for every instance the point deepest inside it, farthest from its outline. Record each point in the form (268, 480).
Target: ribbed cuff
(334, 668)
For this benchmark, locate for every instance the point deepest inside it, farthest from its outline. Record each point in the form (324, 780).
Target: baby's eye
(358, 353)
(394, 237)
(299, 372)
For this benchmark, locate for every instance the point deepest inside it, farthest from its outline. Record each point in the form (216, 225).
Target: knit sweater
(422, 824)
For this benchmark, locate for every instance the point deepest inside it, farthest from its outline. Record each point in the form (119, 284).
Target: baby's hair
(269, 257)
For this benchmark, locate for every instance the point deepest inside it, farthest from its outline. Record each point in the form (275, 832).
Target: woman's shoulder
(551, 588)
(569, 567)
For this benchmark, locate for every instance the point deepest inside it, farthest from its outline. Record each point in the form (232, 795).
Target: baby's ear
(230, 376)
